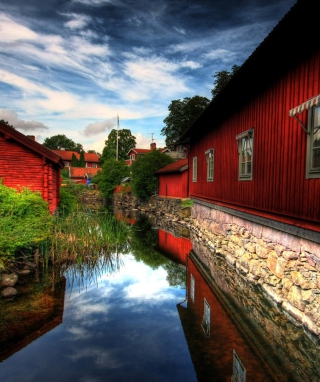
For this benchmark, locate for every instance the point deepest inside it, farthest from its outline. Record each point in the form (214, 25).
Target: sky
(71, 66)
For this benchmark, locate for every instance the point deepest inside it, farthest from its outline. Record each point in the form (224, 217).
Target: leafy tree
(56, 142)
(176, 276)
(82, 162)
(181, 115)
(6, 123)
(144, 182)
(110, 176)
(126, 141)
(93, 152)
(222, 78)
(74, 161)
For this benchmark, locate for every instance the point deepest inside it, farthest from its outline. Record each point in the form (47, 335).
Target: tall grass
(82, 237)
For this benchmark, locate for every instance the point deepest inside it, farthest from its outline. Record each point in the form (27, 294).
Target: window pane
(316, 116)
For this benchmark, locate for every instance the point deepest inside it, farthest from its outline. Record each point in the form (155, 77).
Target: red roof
(179, 166)
(67, 155)
(144, 151)
(11, 133)
(80, 172)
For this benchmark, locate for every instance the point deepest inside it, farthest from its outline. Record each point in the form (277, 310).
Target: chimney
(153, 146)
(31, 137)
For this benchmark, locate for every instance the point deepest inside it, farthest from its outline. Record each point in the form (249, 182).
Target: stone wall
(285, 266)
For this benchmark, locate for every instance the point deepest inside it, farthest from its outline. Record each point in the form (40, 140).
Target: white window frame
(94, 165)
(210, 164)
(192, 287)
(245, 150)
(206, 318)
(239, 372)
(194, 169)
(313, 171)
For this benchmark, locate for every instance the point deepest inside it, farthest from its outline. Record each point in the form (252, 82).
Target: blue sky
(70, 66)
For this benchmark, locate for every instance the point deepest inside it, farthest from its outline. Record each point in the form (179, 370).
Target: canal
(151, 312)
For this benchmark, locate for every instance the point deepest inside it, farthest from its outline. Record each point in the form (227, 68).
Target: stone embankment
(286, 267)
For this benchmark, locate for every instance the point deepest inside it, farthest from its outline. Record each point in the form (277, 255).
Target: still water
(152, 313)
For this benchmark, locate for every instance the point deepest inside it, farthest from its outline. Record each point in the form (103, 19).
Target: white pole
(117, 137)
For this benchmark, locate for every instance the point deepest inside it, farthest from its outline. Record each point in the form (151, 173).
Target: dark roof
(294, 38)
(179, 166)
(11, 133)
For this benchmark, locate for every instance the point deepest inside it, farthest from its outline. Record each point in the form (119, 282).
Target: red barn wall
(279, 183)
(22, 167)
(173, 185)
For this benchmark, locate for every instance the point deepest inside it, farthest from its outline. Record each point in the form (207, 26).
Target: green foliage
(69, 197)
(56, 142)
(24, 220)
(82, 162)
(144, 182)
(111, 175)
(144, 243)
(6, 123)
(65, 173)
(222, 78)
(126, 141)
(74, 161)
(176, 275)
(181, 115)
(187, 203)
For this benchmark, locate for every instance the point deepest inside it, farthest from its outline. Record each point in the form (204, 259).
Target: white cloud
(222, 54)
(99, 127)
(180, 30)
(11, 31)
(14, 120)
(191, 64)
(77, 21)
(95, 2)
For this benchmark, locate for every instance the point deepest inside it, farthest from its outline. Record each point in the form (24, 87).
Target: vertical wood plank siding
(22, 167)
(279, 185)
(173, 185)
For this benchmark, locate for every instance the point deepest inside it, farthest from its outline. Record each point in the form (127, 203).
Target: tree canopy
(144, 182)
(110, 176)
(57, 142)
(222, 78)
(181, 115)
(126, 141)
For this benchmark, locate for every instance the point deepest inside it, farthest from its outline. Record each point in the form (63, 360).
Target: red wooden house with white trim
(91, 159)
(134, 153)
(26, 163)
(249, 156)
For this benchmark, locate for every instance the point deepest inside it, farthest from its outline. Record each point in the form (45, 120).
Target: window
(210, 161)
(313, 150)
(194, 170)
(94, 165)
(66, 163)
(245, 150)
(192, 287)
(206, 319)
(239, 372)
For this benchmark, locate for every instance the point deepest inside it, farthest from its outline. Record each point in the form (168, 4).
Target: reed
(82, 237)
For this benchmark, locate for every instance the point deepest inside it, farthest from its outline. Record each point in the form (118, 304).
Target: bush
(69, 197)
(25, 219)
(144, 182)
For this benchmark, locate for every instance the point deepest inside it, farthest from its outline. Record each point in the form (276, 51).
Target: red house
(177, 248)
(134, 153)
(91, 159)
(255, 150)
(82, 174)
(173, 179)
(26, 163)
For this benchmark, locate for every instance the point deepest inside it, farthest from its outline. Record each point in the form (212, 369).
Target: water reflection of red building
(219, 348)
(177, 248)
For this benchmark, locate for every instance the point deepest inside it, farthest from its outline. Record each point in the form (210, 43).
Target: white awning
(315, 101)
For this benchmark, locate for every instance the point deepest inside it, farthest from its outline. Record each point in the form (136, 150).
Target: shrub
(24, 219)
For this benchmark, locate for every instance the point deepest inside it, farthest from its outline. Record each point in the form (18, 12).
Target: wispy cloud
(77, 21)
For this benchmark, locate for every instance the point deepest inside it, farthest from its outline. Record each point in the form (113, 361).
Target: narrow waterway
(152, 312)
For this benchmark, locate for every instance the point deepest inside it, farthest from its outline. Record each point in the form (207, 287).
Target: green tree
(222, 78)
(82, 162)
(6, 123)
(74, 161)
(181, 115)
(126, 141)
(144, 182)
(111, 175)
(57, 142)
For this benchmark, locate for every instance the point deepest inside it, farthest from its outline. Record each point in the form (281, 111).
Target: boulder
(9, 280)
(9, 292)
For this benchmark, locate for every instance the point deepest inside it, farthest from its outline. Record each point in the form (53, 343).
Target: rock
(9, 280)
(24, 272)
(9, 292)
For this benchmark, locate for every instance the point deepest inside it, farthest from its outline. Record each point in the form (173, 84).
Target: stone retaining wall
(286, 267)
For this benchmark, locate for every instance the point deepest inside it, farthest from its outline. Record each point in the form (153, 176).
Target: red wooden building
(176, 248)
(249, 154)
(134, 153)
(173, 179)
(91, 159)
(26, 163)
